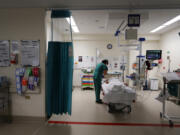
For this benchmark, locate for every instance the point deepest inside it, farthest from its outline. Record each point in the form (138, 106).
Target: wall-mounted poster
(30, 52)
(15, 46)
(4, 53)
(84, 62)
(80, 59)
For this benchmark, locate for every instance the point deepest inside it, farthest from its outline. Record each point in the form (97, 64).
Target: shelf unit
(87, 81)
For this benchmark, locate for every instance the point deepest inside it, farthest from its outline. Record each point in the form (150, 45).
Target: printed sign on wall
(4, 53)
(30, 52)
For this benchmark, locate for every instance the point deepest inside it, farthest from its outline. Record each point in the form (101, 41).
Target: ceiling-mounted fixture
(134, 20)
(177, 18)
(73, 24)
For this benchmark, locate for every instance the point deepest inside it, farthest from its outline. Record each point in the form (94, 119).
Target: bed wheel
(110, 108)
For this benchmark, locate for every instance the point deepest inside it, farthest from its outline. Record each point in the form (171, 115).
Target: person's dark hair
(105, 62)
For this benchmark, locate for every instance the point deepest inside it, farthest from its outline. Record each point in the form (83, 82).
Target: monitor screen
(153, 54)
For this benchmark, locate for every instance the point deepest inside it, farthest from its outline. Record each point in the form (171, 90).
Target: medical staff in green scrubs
(101, 69)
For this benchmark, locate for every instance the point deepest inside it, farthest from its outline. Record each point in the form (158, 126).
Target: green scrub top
(98, 73)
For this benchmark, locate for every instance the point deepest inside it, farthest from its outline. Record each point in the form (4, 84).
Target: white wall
(170, 41)
(25, 24)
(86, 45)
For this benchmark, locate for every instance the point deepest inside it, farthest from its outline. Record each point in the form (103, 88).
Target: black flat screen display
(153, 54)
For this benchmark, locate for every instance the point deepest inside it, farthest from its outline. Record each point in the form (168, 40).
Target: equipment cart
(87, 81)
(171, 78)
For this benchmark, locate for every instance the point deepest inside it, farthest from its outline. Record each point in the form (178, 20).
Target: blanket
(117, 92)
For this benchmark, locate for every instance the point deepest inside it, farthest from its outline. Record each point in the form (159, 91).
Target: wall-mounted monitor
(133, 20)
(153, 54)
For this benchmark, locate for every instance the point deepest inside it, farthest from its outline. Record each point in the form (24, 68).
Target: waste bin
(154, 84)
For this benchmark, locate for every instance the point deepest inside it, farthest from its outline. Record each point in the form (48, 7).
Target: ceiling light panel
(72, 21)
(177, 18)
(158, 28)
(75, 29)
(73, 24)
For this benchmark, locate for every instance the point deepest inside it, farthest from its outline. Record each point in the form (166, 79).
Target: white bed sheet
(116, 92)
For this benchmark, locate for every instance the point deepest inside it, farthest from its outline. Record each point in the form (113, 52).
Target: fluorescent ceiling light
(72, 21)
(158, 28)
(177, 18)
(73, 24)
(75, 29)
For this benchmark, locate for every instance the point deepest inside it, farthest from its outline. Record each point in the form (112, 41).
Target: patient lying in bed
(116, 91)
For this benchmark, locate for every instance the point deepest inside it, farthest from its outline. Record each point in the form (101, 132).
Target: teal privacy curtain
(59, 74)
(59, 78)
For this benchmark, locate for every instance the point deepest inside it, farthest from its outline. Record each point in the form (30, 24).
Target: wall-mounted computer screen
(153, 54)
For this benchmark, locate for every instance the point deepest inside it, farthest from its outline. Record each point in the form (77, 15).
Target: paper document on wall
(4, 53)
(15, 46)
(84, 62)
(30, 53)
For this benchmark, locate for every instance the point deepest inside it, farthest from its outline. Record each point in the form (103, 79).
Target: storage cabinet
(154, 84)
(87, 81)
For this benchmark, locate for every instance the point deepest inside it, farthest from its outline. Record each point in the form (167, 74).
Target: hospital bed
(171, 85)
(117, 95)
